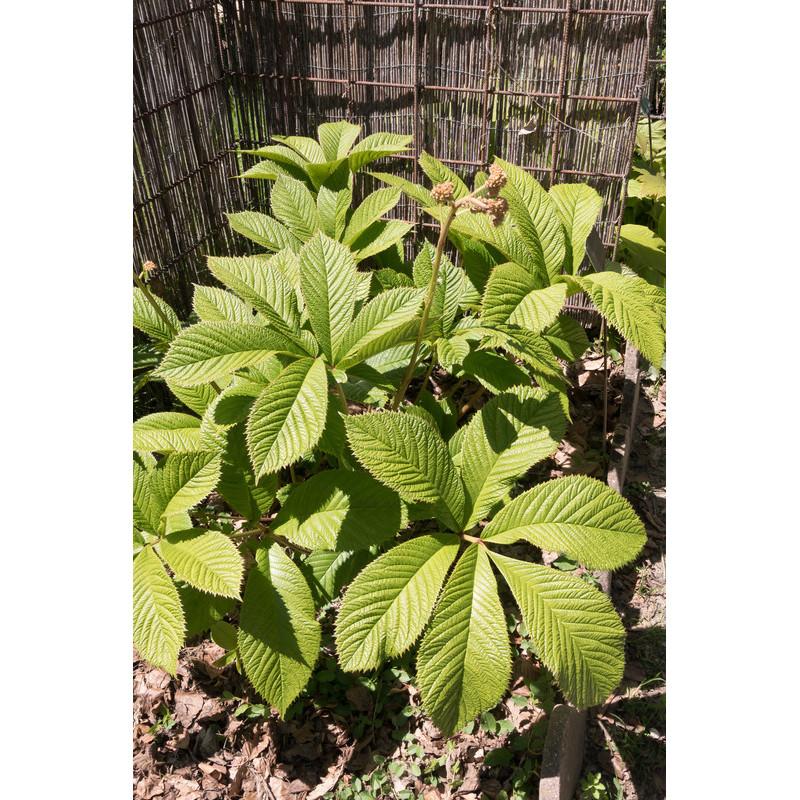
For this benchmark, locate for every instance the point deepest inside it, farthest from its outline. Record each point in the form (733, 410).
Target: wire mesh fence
(552, 85)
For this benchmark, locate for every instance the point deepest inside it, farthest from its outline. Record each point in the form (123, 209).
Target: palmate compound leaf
(493, 371)
(340, 510)
(207, 351)
(579, 516)
(167, 432)
(181, 480)
(408, 455)
(279, 636)
(288, 417)
(158, 621)
(438, 172)
(510, 434)
(198, 398)
(574, 628)
(387, 605)
(464, 661)
(207, 560)
(634, 307)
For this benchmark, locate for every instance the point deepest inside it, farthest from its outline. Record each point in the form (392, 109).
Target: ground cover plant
(298, 376)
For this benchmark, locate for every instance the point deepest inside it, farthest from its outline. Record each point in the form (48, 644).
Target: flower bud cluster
(497, 209)
(443, 192)
(149, 266)
(496, 181)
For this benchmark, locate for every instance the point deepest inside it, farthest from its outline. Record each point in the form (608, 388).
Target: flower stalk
(495, 207)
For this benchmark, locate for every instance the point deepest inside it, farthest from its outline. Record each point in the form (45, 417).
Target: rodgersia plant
(407, 505)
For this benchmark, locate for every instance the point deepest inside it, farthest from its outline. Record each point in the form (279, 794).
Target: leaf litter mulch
(205, 735)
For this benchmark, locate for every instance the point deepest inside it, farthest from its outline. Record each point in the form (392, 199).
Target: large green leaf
(181, 480)
(147, 319)
(379, 317)
(449, 286)
(282, 161)
(578, 207)
(198, 398)
(263, 284)
(378, 237)
(158, 621)
(145, 507)
(216, 305)
(375, 146)
(579, 516)
(167, 432)
(511, 296)
(308, 148)
(439, 173)
(451, 352)
(493, 371)
(328, 572)
(531, 205)
(408, 455)
(279, 636)
(202, 610)
(337, 138)
(573, 626)
(288, 417)
(333, 203)
(329, 279)
(210, 350)
(412, 190)
(511, 433)
(294, 205)
(340, 510)
(646, 253)
(567, 338)
(387, 605)
(464, 661)
(207, 560)
(237, 482)
(371, 210)
(505, 239)
(530, 348)
(634, 307)
(264, 230)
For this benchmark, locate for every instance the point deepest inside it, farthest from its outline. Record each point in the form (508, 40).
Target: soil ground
(205, 735)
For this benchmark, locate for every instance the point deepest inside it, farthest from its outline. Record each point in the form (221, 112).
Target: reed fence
(552, 85)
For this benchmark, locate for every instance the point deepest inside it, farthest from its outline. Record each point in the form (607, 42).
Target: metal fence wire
(554, 86)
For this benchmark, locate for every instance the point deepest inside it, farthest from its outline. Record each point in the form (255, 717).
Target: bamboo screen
(552, 85)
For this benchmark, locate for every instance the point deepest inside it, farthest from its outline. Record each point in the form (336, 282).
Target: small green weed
(593, 788)
(164, 723)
